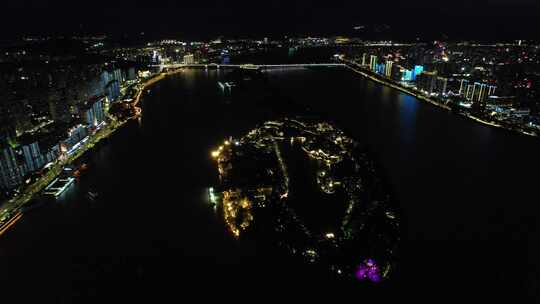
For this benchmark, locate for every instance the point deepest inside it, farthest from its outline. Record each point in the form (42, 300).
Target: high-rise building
(373, 63)
(380, 68)
(189, 59)
(388, 68)
(112, 90)
(407, 75)
(478, 95)
(19, 160)
(464, 83)
(32, 156)
(92, 112)
(396, 72)
(225, 58)
(11, 173)
(477, 92)
(441, 85)
(73, 138)
(431, 83)
(110, 80)
(418, 69)
(117, 75)
(155, 58)
(491, 90)
(131, 75)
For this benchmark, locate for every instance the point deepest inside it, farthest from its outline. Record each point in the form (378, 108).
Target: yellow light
(330, 235)
(227, 143)
(215, 154)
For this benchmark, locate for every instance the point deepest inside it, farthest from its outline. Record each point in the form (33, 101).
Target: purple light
(361, 273)
(368, 270)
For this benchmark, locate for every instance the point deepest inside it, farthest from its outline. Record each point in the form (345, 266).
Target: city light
(304, 182)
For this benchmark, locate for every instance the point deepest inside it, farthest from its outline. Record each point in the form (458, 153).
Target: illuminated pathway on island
(283, 168)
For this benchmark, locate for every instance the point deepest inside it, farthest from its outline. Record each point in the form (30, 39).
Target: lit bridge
(249, 66)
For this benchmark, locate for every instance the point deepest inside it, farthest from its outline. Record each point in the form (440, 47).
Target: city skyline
(386, 149)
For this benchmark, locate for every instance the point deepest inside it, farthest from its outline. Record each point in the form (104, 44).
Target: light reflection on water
(407, 117)
(478, 171)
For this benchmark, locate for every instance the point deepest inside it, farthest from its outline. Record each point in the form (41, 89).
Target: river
(467, 192)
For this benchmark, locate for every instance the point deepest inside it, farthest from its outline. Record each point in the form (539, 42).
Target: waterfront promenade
(10, 210)
(353, 66)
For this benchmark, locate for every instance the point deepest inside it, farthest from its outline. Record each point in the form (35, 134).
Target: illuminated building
(396, 72)
(463, 86)
(491, 90)
(431, 83)
(111, 83)
(341, 40)
(441, 85)
(189, 59)
(112, 90)
(92, 112)
(156, 58)
(407, 75)
(373, 63)
(380, 68)
(73, 139)
(388, 68)
(225, 58)
(418, 69)
(292, 51)
(32, 156)
(16, 162)
(477, 92)
(11, 174)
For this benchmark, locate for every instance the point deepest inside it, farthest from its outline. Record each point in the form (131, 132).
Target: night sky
(461, 19)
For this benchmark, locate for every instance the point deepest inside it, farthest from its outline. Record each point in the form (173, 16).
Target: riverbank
(10, 211)
(399, 88)
(432, 101)
(12, 208)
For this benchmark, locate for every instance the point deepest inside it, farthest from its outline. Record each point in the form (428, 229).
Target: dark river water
(468, 194)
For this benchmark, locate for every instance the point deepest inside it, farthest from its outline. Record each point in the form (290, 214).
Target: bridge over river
(248, 66)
